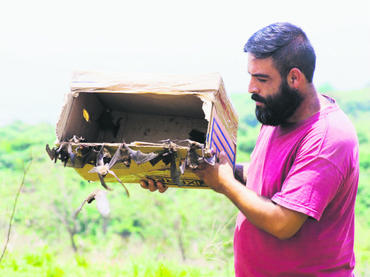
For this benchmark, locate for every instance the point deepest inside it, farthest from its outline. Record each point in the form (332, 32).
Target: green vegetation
(178, 233)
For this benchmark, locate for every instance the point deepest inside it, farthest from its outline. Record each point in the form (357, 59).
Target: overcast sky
(43, 42)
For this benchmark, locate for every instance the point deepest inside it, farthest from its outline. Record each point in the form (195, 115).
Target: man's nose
(252, 88)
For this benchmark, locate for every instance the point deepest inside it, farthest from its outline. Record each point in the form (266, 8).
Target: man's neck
(312, 103)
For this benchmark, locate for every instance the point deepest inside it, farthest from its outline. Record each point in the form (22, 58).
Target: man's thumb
(222, 157)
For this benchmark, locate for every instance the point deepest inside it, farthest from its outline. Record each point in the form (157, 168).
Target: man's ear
(295, 78)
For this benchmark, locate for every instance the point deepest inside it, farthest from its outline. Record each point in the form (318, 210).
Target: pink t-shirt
(312, 168)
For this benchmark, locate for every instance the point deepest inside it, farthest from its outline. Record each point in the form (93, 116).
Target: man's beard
(279, 107)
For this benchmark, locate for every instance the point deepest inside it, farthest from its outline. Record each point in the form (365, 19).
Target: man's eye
(262, 80)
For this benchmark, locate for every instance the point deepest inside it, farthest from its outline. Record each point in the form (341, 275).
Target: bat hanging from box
(103, 169)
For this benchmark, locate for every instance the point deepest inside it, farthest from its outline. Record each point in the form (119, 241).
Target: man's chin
(265, 117)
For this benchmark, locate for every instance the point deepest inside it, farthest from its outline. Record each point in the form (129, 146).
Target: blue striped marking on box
(220, 142)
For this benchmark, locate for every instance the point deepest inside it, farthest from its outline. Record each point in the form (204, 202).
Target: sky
(43, 42)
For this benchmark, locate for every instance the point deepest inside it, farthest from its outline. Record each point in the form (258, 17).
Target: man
(297, 207)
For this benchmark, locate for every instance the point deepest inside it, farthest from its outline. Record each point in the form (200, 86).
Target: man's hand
(218, 176)
(153, 186)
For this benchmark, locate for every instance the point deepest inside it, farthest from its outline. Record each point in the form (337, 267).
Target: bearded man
(297, 197)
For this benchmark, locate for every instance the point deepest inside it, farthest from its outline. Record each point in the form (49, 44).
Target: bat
(140, 157)
(122, 154)
(192, 159)
(64, 152)
(169, 156)
(51, 152)
(88, 153)
(103, 169)
(175, 170)
(125, 154)
(101, 202)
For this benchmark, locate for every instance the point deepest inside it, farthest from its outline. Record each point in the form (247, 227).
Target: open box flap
(143, 83)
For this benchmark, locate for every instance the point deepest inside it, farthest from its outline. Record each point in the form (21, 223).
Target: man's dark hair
(288, 46)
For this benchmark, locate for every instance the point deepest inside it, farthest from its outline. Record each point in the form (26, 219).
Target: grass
(44, 262)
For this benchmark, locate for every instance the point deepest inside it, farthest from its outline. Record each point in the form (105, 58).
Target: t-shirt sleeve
(311, 184)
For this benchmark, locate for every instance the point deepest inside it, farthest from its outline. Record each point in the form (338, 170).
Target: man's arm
(280, 222)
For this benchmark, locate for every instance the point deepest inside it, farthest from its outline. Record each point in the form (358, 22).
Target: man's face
(276, 102)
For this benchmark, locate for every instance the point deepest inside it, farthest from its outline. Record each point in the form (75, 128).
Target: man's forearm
(263, 213)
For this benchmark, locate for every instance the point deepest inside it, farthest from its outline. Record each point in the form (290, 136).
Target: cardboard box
(150, 113)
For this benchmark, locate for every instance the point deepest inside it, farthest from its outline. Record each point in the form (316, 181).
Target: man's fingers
(144, 184)
(222, 157)
(161, 187)
(148, 184)
(151, 185)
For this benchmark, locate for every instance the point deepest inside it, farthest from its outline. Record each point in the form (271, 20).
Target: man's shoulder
(331, 122)
(339, 128)
(333, 138)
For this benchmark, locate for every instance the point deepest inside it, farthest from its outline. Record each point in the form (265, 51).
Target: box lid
(143, 83)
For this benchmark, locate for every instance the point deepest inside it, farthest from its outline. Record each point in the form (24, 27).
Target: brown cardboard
(146, 112)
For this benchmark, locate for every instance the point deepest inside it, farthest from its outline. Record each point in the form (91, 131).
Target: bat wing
(116, 157)
(211, 160)
(93, 170)
(72, 155)
(140, 157)
(119, 180)
(100, 156)
(102, 203)
(51, 152)
(182, 167)
(89, 199)
(101, 178)
(80, 208)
